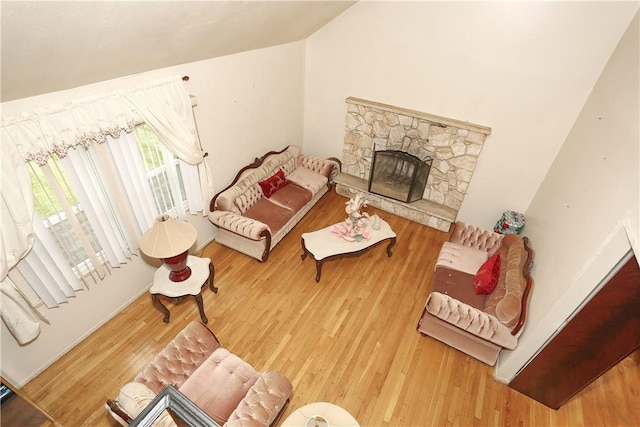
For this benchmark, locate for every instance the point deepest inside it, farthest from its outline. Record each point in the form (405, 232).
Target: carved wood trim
(257, 162)
(527, 290)
(267, 247)
(113, 407)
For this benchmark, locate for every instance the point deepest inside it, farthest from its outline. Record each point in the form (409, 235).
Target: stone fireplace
(453, 146)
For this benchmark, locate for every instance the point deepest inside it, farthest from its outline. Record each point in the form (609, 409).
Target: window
(153, 154)
(50, 211)
(99, 179)
(95, 202)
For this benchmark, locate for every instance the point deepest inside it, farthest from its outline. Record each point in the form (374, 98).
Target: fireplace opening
(399, 175)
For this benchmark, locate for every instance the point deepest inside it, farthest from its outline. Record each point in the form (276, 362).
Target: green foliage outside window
(46, 206)
(146, 139)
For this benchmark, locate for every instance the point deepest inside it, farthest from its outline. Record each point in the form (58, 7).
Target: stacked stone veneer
(454, 146)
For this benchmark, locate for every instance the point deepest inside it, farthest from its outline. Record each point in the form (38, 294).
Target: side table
(320, 414)
(202, 272)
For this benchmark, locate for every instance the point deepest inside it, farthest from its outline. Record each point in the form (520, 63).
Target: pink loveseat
(480, 325)
(251, 218)
(225, 387)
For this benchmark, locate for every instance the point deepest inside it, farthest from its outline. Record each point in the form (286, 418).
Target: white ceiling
(55, 45)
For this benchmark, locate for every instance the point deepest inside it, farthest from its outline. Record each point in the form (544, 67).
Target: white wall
(524, 69)
(248, 104)
(577, 219)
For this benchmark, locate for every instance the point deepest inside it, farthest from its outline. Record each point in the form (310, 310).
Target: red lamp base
(178, 266)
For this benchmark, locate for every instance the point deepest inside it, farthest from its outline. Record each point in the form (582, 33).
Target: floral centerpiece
(354, 227)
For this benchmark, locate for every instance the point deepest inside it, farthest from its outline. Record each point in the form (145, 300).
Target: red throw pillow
(487, 276)
(273, 183)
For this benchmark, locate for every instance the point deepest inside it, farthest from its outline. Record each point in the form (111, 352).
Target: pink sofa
(251, 219)
(478, 324)
(224, 386)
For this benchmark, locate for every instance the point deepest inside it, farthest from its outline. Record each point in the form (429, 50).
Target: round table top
(312, 414)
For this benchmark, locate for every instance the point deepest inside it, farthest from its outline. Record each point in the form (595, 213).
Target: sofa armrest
(238, 224)
(264, 402)
(328, 167)
(132, 400)
(470, 319)
(120, 415)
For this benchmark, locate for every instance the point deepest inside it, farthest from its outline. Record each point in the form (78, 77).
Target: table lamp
(170, 240)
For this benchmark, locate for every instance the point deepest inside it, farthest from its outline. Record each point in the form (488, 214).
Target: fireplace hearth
(399, 175)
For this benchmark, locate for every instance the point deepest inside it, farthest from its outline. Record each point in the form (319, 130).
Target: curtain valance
(164, 105)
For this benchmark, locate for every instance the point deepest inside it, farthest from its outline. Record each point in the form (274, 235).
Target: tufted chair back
(224, 386)
(180, 358)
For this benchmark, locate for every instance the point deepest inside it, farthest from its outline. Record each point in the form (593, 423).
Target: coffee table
(324, 244)
(320, 414)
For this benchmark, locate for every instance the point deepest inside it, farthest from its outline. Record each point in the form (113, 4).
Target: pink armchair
(224, 386)
(480, 325)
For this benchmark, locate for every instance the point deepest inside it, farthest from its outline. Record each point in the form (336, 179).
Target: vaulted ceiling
(55, 45)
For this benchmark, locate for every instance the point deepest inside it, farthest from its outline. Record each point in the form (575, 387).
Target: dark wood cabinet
(601, 334)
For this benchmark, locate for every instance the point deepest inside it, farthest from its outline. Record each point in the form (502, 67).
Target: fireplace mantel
(454, 145)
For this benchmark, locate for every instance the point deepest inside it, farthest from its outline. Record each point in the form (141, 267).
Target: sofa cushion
(486, 278)
(289, 166)
(500, 290)
(508, 258)
(232, 377)
(291, 196)
(461, 258)
(306, 178)
(273, 183)
(247, 199)
(458, 285)
(274, 216)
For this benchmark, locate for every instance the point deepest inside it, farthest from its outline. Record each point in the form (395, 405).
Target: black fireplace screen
(399, 175)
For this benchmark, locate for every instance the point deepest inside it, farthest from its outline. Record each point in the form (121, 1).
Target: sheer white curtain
(16, 208)
(16, 239)
(167, 109)
(98, 226)
(88, 160)
(41, 270)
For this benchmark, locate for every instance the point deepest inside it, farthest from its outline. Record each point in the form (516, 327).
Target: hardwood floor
(350, 339)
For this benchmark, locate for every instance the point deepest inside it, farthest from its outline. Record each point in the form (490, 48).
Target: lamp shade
(168, 237)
